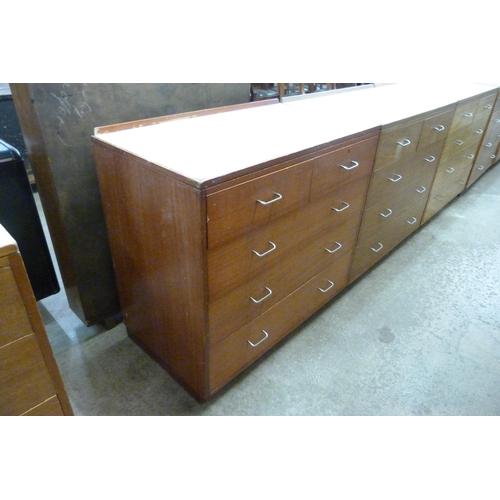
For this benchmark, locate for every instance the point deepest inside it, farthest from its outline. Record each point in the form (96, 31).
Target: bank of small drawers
(488, 153)
(280, 246)
(405, 166)
(460, 151)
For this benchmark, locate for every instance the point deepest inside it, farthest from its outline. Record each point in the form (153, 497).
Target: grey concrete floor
(419, 334)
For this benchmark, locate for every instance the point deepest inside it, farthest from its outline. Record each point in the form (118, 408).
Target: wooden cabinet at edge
(30, 379)
(211, 277)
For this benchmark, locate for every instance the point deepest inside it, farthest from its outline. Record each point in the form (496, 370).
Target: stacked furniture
(31, 383)
(222, 246)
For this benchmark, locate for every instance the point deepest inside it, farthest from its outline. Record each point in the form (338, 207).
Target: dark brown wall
(57, 121)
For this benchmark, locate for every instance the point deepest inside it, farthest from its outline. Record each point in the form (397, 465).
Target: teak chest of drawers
(223, 244)
(30, 380)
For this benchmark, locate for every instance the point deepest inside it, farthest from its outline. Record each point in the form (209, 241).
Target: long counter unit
(230, 227)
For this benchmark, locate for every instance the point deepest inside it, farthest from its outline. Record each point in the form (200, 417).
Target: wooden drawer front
(50, 408)
(372, 246)
(242, 208)
(464, 115)
(245, 303)
(417, 168)
(25, 379)
(442, 195)
(14, 321)
(237, 262)
(397, 143)
(445, 175)
(435, 128)
(461, 153)
(235, 353)
(340, 167)
(476, 172)
(487, 154)
(484, 110)
(386, 211)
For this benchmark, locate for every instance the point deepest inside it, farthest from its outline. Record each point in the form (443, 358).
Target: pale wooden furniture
(30, 380)
(223, 245)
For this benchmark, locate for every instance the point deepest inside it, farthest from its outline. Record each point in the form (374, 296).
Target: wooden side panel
(157, 234)
(33, 313)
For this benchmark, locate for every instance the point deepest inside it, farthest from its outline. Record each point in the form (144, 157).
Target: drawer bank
(230, 227)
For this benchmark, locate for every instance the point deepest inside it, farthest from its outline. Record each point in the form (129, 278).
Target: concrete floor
(419, 334)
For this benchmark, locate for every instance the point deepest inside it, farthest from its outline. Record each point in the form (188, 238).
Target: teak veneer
(224, 240)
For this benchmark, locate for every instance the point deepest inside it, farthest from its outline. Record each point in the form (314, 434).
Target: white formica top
(208, 147)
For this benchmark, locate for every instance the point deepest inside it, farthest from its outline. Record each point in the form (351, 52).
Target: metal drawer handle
(478, 131)
(497, 120)
(389, 212)
(269, 293)
(354, 165)
(413, 220)
(488, 106)
(430, 159)
(481, 167)
(450, 170)
(439, 128)
(274, 200)
(404, 143)
(488, 144)
(492, 157)
(468, 115)
(378, 249)
(266, 335)
(332, 284)
(273, 247)
(423, 190)
(470, 157)
(399, 177)
(458, 142)
(339, 246)
(461, 183)
(346, 206)
(440, 198)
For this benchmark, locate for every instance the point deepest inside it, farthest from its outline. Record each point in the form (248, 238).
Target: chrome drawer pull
(430, 159)
(413, 220)
(378, 249)
(492, 157)
(269, 293)
(399, 177)
(488, 106)
(497, 120)
(404, 143)
(439, 128)
(481, 167)
(440, 198)
(470, 157)
(458, 142)
(389, 212)
(468, 115)
(332, 284)
(266, 335)
(450, 170)
(354, 165)
(339, 246)
(273, 247)
(278, 197)
(461, 183)
(488, 144)
(423, 190)
(478, 131)
(346, 206)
